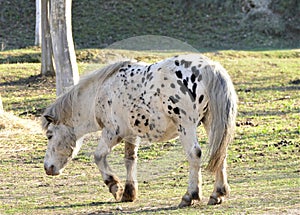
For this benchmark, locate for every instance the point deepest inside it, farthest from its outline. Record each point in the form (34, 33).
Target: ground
(263, 160)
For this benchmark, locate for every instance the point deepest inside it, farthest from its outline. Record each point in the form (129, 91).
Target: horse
(133, 101)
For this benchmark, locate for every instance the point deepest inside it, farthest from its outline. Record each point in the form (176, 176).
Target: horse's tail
(219, 121)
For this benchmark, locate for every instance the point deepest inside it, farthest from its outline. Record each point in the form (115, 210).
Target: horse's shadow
(79, 205)
(114, 210)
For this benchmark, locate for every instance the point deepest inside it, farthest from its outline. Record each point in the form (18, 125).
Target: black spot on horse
(172, 85)
(137, 122)
(146, 122)
(186, 63)
(176, 110)
(201, 98)
(199, 78)
(151, 126)
(194, 91)
(183, 111)
(170, 107)
(149, 67)
(149, 75)
(183, 88)
(195, 71)
(176, 62)
(178, 74)
(185, 82)
(173, 100)
(193, 78)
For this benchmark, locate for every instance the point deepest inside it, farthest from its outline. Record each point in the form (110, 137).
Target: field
(263, 161)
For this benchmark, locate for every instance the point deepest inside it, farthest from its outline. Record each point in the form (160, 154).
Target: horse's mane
(61, 110)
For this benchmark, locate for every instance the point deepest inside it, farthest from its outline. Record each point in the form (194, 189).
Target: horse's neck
(84, 112)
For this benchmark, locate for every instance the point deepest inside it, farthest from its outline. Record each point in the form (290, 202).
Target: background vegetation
(206, 25)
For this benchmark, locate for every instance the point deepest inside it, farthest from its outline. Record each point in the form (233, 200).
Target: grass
(263, 160)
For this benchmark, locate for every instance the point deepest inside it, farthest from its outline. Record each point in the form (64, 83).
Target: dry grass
(263, 160)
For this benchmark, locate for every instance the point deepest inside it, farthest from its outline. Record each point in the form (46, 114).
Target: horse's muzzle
(51, 170)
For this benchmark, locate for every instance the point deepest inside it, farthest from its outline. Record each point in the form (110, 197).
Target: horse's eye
(49, 137)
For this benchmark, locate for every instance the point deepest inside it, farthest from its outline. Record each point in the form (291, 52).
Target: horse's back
(151, 101)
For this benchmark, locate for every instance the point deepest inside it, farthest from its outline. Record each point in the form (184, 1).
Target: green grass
(263, 160)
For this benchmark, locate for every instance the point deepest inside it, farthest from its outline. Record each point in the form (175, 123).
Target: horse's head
(61, 146)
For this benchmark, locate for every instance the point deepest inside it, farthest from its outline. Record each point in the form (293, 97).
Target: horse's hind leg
(189, 141)
(131, 186)
(107, 141)
(221, 187)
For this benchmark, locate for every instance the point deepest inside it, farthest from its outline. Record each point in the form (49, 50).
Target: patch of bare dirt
(12, 123)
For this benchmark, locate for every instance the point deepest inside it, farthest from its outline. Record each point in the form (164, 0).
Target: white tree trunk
(62, 44)
(47, 67)
(38, 28)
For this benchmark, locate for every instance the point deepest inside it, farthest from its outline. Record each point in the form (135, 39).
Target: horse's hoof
(185, 201)
(117, 191)
(214, 201)
(184, 204)
(127, 199)
(130, 193)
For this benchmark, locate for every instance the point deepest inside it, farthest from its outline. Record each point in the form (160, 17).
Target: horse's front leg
(221, 187)
(193, 151)
(131, 186)
(107, 141)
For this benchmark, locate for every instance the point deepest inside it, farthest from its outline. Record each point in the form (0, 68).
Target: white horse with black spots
(131, 101)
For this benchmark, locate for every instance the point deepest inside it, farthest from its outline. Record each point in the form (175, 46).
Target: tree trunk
(38, 30)
(62, 43)
(47, 67)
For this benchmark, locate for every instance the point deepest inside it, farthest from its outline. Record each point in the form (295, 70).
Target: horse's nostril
(49, 170)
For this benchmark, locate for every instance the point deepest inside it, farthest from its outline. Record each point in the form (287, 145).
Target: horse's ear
(50, 119)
